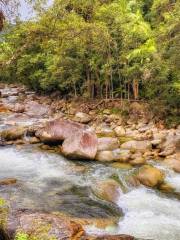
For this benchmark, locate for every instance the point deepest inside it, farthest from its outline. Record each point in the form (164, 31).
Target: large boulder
(59, 130)
(115, 237)
(137, 145)
(150, 176)
(81, 145)
(34, 109)
(172, 143)
(43, 226)
(108, 190)
(107, 143)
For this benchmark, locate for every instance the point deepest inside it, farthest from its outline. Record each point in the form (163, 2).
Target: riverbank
(100, 154)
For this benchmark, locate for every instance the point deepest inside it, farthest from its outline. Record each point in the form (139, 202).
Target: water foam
(149, 215)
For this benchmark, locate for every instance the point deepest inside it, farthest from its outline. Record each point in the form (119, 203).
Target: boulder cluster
(89, 131)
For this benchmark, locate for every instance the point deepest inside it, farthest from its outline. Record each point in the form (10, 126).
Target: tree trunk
(136, 89)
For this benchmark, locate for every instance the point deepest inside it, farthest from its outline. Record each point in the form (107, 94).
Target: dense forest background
(126, 49)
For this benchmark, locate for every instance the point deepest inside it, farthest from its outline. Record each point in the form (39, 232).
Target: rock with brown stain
(13, 133)
(43, 226)
(109, 237)
(8, 181)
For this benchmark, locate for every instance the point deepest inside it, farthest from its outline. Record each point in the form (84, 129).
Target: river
(49, 182)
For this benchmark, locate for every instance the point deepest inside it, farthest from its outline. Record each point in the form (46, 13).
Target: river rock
(34, 109)
(82, 117)
(169, 150)
(18, 108)
(107, 111)
(115, 237)
(150, 176)
(137, 110)
(138, 161)
(108, 190)
(171, 144)
(8, 181)
(156, 143)
(81, 145)
(107, 143)
(173, 162)
(13, 133)
(122, 155)
(3, 108)
(137, 145)
(120, 165)
(120, 131)
(105, 156)
(59, 130)
(34, 140)
(43, 226)
(105, 131)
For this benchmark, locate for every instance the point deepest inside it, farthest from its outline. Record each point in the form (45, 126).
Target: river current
(50, 182)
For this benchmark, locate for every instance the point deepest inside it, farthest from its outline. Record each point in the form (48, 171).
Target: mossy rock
(124, 139)
(4, 209)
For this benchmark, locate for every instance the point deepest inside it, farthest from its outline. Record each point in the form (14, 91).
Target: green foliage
(2, 202)
(98, 49)
(21, 236)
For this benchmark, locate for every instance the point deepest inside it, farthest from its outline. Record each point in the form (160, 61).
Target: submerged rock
(150, 176)
(8, 181)
(108, 190)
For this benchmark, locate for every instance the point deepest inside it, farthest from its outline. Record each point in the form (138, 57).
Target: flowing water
(49, 182)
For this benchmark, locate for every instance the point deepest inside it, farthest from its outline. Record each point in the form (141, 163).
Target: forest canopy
(125, 49)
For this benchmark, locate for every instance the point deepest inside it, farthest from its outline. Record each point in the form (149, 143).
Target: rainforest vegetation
(126, 49)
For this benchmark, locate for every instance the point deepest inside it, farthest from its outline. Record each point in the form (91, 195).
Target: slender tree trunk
(75, 90)
(136, 89)
(88, 77)
(112, 87)
(128, 85)
(98, 85)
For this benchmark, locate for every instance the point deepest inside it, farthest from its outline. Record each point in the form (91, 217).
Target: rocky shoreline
(97, 131)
